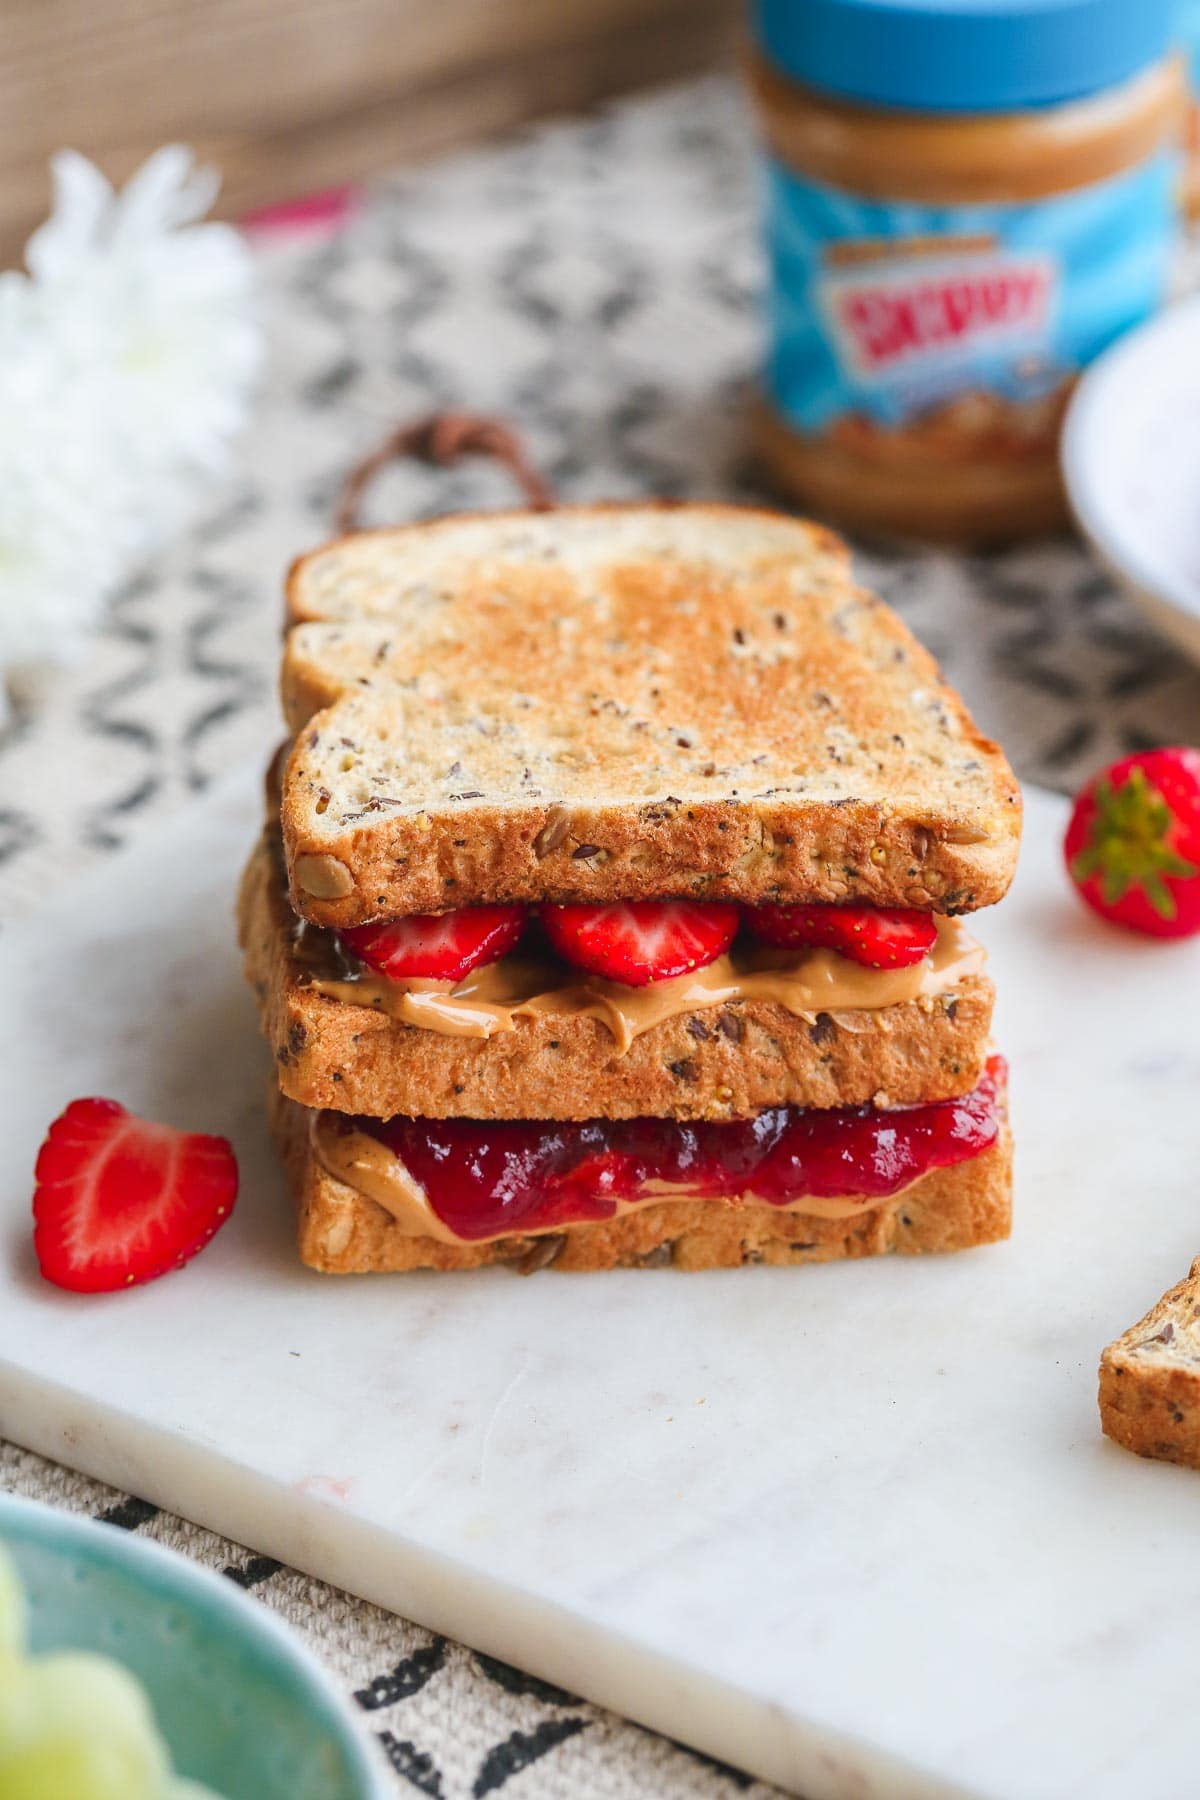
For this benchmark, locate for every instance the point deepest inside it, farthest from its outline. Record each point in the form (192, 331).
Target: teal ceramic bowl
(242, 1705)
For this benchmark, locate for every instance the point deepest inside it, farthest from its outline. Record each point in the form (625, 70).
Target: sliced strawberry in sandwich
(441, 946)
(640, 941)
(120, 1200)
(879, 937)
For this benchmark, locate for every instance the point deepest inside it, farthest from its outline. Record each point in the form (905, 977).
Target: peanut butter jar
(966, 201)
(1189, 32)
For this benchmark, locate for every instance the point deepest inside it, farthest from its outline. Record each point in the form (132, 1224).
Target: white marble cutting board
(853, 1527)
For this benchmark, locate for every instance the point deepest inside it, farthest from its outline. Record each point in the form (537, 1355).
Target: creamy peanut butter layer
(491, 999)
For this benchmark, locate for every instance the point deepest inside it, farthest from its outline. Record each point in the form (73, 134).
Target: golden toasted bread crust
(1150, 1379)
(343, 1233)
(623, 703)
(725, 1062)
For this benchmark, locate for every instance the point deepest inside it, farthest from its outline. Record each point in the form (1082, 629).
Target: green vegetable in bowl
(73, 1725)
(12, 1610)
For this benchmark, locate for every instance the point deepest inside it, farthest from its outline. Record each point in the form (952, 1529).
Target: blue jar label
(892, 313)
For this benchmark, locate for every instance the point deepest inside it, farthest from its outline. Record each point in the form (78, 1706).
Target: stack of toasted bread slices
(608, 907)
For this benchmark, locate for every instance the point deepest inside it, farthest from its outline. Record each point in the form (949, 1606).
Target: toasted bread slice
(623, 703)
(341, 1232)
(724, 1062)
(1150, 1379)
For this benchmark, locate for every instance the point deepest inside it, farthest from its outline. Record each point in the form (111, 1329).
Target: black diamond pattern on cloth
(519, 1750)
(595, 282)
(407, 1678)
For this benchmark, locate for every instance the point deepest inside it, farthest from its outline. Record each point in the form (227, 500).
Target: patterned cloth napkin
(595, 282)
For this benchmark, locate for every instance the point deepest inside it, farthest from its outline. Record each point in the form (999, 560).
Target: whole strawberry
(1133, 845)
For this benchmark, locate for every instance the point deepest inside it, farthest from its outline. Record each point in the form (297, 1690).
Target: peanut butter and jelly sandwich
(609, 908)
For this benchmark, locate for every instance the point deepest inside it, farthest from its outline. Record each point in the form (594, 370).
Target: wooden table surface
(290, 96)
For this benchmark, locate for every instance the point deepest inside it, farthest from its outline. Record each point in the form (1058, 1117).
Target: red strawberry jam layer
(487, 1179)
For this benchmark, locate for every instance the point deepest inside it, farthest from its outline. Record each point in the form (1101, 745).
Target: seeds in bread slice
(727, 1061)
(1150, 1379)
(623, 703)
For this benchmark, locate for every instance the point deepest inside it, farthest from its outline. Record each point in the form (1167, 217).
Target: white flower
(127, 358)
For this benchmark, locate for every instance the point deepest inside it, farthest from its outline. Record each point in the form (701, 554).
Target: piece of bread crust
(1150, 1379)
(624, 702)
(725, 1062)
(343, 1233)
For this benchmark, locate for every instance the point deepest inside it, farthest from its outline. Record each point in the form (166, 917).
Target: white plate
(853, 1527)
(1131, 462)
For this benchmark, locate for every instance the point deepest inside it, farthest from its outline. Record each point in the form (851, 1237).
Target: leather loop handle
(443, 439)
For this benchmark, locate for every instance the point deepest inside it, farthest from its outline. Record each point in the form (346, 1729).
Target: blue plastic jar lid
(964, 56)
(1189, 32)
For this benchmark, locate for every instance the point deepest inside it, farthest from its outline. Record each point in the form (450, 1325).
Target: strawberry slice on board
(879, 937)
(1133, 844)
(120, 1200)
(439, 946)
(641, 941)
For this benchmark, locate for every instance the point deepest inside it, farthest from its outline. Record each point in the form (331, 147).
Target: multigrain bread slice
(725, 1062)
(622, 703)
(1150, 1379)
(357, 608)
(341, 1232)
